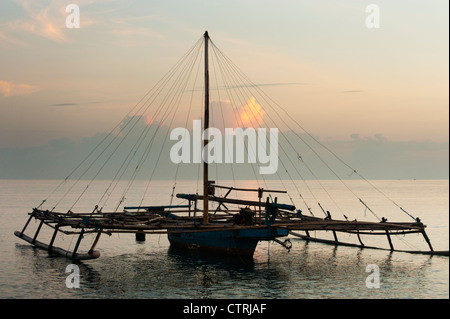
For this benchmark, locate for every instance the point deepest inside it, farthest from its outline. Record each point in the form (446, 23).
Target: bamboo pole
(53, 237)
(37, 232)
(427, 239)
(389, 240)
(205, 142)
(91, 251)
(26, 224)
(74, 253)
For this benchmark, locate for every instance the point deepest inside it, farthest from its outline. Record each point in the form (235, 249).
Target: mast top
(206, 35)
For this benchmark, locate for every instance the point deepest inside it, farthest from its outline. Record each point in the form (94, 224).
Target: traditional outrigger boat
(226, 225)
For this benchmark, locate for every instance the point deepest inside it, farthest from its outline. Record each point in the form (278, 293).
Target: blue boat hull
(233, 242)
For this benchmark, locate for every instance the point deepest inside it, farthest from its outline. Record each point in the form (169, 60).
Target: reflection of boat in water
(235, 225)
(191, 258)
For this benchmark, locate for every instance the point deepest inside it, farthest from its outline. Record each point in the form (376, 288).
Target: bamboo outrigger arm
(164, 219)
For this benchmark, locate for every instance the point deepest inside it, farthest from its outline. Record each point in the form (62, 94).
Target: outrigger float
(232, 226)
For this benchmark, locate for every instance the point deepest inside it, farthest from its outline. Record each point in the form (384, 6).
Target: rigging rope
(238, 82)
(175, 106)
(222, 117)
(237, 87)
(122, 128)
(267, 98)
(232, 99)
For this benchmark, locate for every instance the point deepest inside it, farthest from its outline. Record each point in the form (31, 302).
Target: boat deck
(180, 219)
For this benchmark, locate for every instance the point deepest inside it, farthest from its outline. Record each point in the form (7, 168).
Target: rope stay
(122, 126)
(231, 81)
(240, 84)
(165, 98)
(270, 102)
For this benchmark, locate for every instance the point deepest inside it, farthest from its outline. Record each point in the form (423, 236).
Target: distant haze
(376, 158)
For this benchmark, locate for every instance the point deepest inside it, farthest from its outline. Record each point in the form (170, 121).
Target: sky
(343, 80)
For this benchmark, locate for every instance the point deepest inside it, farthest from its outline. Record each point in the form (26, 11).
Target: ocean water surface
(152, 269)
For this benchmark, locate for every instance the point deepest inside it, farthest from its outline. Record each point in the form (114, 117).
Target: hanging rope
(123, 125)
(241, 85)
(270, 102)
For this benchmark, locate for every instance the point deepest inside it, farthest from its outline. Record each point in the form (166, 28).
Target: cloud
(43, 18)
(64, 104)
(225, 115)
(251, 114)
(281, 84)
(139, 32)
(374, 157)
(46, 21)
(252, 85)
(8, 41)
(352, 91)
(131, 35)
(10, 89)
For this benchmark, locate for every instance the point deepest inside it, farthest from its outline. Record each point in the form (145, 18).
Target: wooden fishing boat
(207, 221)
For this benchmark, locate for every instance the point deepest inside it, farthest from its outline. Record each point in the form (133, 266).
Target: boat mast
(205, 142)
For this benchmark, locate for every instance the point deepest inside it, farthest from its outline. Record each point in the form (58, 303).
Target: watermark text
(73, 280)
(227, 148)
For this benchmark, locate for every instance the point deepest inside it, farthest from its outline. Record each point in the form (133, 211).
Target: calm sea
(151, 269)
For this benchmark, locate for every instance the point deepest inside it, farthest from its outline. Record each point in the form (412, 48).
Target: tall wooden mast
(205, 142)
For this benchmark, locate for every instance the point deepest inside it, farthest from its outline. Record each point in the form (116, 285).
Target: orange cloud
(44, 19)
(148, 119)
(10, 89)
